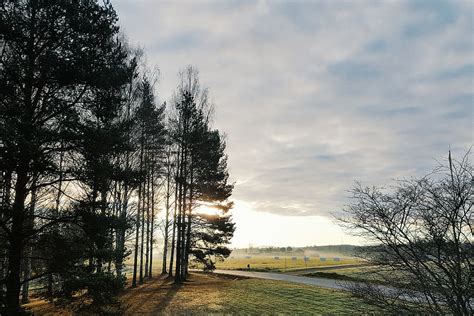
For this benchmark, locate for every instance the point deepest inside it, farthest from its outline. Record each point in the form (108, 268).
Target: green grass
(368, 274)
(352, 277)
(253, 296)
(355, 272)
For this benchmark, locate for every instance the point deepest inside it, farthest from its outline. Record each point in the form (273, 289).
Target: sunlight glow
(207, 209)
(265, 229)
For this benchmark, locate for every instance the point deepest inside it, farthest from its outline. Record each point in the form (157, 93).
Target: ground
(211, 294)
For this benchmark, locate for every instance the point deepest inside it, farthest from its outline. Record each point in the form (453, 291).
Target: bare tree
(421, 233)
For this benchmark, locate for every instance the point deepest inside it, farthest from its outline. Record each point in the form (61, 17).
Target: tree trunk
(137, 231)
(152, 220)
(178, 239)
(179, 223)
(183, 220)
(142, 236)
(147, 250)
(167, 220)
(124, 208)
(188, 229)
(29, 250)
(15, 249)
(5, 202)
(16, 238)
(50, 289)
(121, 232)
(175, 213)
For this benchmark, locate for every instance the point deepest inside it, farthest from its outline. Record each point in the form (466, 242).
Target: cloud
(354, 71)
(314, 95)
(435, 15)
(464, 71)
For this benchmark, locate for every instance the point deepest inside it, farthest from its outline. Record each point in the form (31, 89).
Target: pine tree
(210, 236)
(202, 175)
(211, 187)
(53, 55)
(150, 121)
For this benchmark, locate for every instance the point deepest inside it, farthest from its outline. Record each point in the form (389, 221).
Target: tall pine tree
(54, 54)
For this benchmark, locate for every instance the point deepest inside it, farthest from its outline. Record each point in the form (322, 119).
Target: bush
(93, 292)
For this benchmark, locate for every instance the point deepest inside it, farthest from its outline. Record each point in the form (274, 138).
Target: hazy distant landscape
(244, 157)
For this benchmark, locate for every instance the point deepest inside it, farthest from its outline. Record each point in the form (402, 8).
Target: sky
(315, 95)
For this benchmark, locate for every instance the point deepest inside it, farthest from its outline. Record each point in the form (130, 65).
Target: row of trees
(275, 249)
(88, 157)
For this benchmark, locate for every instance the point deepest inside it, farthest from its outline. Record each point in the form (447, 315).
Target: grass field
(360, 273)
(208, 294)
(284, 263)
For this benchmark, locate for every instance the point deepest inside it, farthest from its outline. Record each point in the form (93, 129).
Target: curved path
(303, 271)
(315, 281)
(321, 282)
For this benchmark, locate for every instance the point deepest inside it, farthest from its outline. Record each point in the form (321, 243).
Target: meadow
(362, 273)
(283, 263)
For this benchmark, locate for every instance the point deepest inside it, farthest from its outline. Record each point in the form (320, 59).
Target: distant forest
(90, 159)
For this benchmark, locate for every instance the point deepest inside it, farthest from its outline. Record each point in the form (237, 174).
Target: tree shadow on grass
(135, 298)
(168, 297)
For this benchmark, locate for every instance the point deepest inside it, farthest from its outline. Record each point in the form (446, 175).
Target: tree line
(90, 160)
